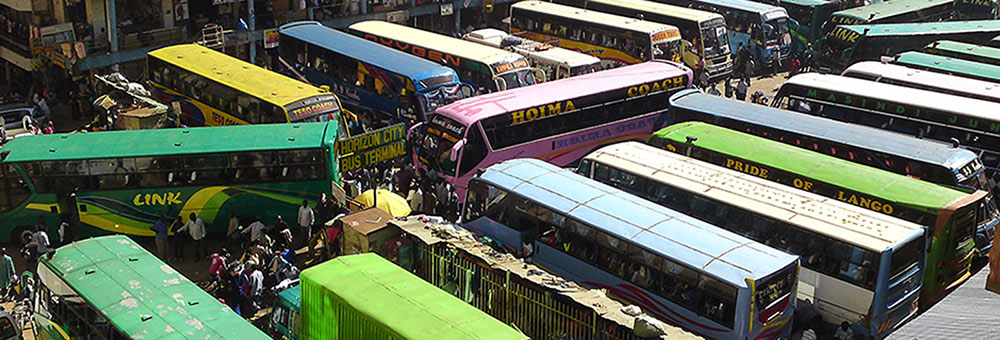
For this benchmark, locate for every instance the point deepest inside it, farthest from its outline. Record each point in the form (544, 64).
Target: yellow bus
(616, 40)
(216, 89)
(703, 34)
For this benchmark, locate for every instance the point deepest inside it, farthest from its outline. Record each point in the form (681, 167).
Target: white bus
(556, 62)
(858, 266)
(488, 69)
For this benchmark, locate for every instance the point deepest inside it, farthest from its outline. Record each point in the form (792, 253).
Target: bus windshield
(435, 149)
(442, 96)
(774, 288)
(517, 78)
(778, 31)
(716, 40)
(667, 50)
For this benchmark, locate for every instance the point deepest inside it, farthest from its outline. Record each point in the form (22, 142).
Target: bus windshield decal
(666, 35)
(971, 169)
(896, 108)
(975, 3)
(569, 105)
(502, 67)
(448, 124)
(311, 107)
(776, 14)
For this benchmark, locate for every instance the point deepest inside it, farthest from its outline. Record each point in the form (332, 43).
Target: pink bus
(558, 121)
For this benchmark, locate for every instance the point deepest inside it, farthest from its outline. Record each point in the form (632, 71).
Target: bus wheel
(21, 235)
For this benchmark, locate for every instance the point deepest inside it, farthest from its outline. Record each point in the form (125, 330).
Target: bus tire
(21, 235)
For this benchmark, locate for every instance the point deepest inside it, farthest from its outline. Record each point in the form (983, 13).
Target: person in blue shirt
(160, 228)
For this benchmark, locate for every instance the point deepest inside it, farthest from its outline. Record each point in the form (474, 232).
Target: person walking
(233, 232)
(160, 230)
(41, 238)
(177, 239)
(741, 89)
(306, 219)
(256, 229)
(196, 228)
(7, 272)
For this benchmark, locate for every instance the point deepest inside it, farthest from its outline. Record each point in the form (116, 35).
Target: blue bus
(764, 29)
(866, 269)
(368, 76)
(683, 271)
(924, 159)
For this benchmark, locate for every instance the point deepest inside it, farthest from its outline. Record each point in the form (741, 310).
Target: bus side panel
(610, 58)
(566, 149)
(133, 211)
(195, 113)
(828, 295)
(564, 265)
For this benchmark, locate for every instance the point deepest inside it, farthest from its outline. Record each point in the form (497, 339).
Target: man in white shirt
(41, 238)
(234, 228)
(306, 219)
(196, 228)
(256, 229)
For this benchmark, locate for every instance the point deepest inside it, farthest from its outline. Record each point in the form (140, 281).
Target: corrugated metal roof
(142, 296)
(969, 313)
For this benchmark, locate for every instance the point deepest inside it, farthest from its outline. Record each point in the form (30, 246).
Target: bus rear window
(774, 288)
(906, 257)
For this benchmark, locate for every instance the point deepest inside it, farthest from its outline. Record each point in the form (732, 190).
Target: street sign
(271, 38)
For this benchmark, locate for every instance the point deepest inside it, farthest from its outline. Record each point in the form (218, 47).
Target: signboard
(372, 156)
(372, 147)
(271, 38)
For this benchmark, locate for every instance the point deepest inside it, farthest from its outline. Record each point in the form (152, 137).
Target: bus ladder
(212, 36)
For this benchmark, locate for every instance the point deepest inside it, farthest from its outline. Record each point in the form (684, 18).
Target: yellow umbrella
(386, 200)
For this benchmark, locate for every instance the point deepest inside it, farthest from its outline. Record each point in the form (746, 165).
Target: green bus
(893, 12)
(365, 296)
(810, 16)
(111, 288)
(965, 51)
(947, 214)
(847, 44)
(123, 181)
(975, 9)
(948, 65)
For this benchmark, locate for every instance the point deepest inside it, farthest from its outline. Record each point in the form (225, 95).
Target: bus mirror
(540, 76)
(467, 90)
(455, 149)
(325, 88)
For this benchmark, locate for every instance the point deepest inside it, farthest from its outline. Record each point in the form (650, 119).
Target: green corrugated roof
(142, 296)
(955, 66)
(169, 141)
(886, 9)
(951, 47)
(925, 28)
(918, 194)
(392, 297)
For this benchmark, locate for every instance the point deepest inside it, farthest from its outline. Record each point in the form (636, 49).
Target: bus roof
(575, 13)
(927, 78)
(959, 67)
(369, 52)
(886, 9)
(809, 3)
(750, 6)
(434, 41)
(291, 297)
(940, 102)
(238, 74)
(716, 251)
(861, 136)
(471, 110)
(135, 143)
(556, 54)
(389, 295)
(826, 216)
(142, 296)
(964, 48)
(923, 28)
(665, 9)
(824, 168)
